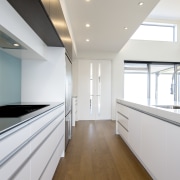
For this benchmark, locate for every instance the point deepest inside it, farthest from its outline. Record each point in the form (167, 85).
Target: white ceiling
(166, 9)
(108, 19)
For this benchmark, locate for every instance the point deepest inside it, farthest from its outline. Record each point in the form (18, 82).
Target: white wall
(44, 81)
(140, 51)
(75, 77)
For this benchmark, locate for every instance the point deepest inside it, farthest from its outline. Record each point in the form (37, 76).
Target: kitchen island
(31, 145)
(152, 133)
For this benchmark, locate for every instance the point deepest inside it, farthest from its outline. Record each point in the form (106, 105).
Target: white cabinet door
(173, 152)
(135, 130)
(153, 145)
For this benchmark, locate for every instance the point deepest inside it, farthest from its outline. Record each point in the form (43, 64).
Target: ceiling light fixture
(88, 0)
(87, 40)
(140, 3)
(125, 28)
(87, 25)
(16, 44)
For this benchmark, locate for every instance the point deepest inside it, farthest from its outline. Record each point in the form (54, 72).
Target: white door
(94, 90)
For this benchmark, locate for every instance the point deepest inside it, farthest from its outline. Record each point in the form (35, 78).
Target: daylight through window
(156, 32)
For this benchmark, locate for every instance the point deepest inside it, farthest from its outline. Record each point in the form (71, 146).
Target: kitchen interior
(62, 62)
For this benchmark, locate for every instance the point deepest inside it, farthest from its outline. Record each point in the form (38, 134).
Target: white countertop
(148, 106)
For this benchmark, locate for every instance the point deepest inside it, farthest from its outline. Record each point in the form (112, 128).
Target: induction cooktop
(18, 110)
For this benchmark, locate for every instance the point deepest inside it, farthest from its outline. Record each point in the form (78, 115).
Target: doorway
(94, 90)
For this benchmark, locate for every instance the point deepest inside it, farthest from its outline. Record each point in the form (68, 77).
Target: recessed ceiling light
(88, 0)
(125, 28)
(15, 44)
(87, 25)
(87, 40)
(140, 3)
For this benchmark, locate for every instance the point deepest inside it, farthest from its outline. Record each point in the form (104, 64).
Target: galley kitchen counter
(8, 123)
(148, 107)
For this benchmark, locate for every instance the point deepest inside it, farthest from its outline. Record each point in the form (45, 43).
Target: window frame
(148, 63)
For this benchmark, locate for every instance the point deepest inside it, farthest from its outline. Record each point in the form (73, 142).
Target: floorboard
(97, 153)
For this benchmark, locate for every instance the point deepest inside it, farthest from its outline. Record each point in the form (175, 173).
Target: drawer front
(14, 167)
(123, 109)
(50, 170)
(46, 118)
(48, 141)
(123, 120)
(123, 132)
(12, 141)
(46, 130)
(19, 144)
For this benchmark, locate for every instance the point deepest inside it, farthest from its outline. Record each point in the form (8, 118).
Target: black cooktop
(18, 110)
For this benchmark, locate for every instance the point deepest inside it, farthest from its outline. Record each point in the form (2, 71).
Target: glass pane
(135, 80)
(135, 68)
(155, 32)
(160, 82)
(99, 88)
(91, 86)
(135, 85)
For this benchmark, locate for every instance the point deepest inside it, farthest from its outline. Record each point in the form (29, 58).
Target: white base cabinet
(37, 149)
(155, 143)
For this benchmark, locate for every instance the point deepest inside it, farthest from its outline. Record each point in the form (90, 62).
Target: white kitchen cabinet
(39, 146)
(13, 139)
(155, 142)
(121, 117)
(172, 152)
(43, 147)
(153, 145)
(122, 126)
(14, 167)
(134, 131)
(12, 156)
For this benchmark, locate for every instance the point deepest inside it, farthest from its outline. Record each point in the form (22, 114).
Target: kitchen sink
(18, 110)
(168, 106)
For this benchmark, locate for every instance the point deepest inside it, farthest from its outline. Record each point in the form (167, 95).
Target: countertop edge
(30, 116)
(162, 114)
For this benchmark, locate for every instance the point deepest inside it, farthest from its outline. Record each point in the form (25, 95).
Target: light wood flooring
(97, 153)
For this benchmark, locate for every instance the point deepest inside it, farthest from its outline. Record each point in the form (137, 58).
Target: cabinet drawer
(123, 132)
(48, 141)
(123, 109)
(14, 167)
(50, 170)
(123, 120)
(12, 140)
(46, 118)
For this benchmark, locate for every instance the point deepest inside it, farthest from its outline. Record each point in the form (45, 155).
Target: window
(135, 80)
(152, 80)
(156, 32)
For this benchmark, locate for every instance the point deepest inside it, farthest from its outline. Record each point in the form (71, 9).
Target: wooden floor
(96, 153)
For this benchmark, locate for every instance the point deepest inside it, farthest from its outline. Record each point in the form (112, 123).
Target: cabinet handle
(123, 126)
(123, 115)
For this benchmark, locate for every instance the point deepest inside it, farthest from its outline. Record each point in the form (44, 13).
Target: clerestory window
(156, 32)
